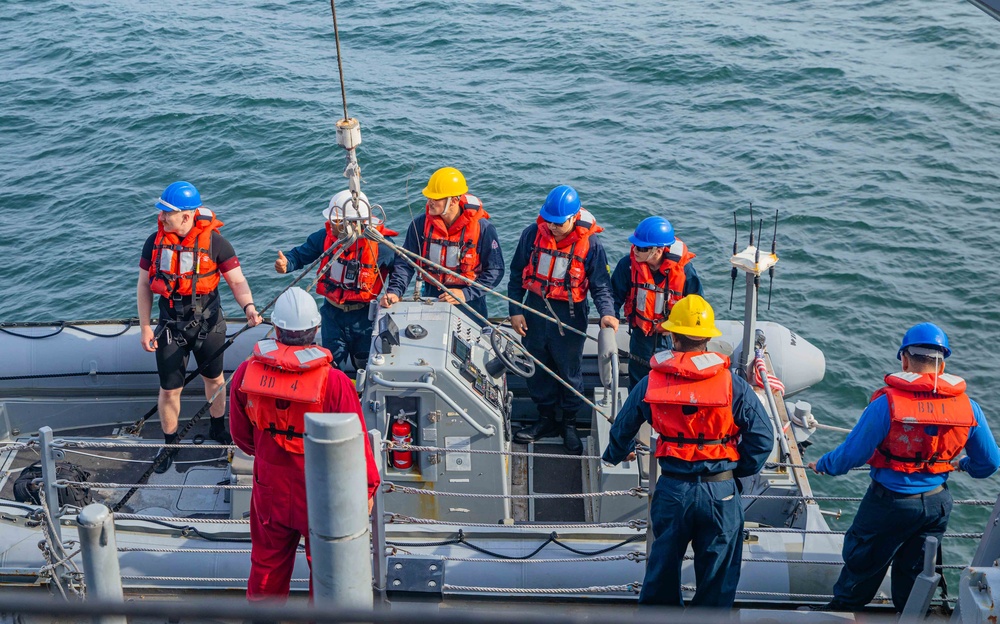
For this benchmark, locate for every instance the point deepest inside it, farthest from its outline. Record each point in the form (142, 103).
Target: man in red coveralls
(269, 396)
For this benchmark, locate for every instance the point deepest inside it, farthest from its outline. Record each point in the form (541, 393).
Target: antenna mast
(753, 264)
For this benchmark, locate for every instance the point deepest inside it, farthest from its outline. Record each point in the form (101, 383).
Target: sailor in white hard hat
(269, 396)
(351, 281)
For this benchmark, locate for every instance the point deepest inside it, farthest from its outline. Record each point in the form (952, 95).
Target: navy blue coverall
(344, 333)
(563, 354)
(686, 510)
(490, 258)
(899, 510)
(640, 346)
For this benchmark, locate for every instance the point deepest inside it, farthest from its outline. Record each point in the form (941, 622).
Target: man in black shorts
(182, 262)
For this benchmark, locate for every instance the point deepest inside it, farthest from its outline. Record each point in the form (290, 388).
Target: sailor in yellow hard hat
(712, 430)
(454, 232)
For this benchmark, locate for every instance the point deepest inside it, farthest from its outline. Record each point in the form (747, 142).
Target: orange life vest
(455, 247)
(927, 429)
(354, 277)
(648, 303)
(557, 270)
(691, 397)
(282, 383)
(176, 264)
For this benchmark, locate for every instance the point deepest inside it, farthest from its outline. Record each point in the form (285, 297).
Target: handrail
(426, 385)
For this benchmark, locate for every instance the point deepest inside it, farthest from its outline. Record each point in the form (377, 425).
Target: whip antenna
(770, 271)
(734, 271)
(756, 252)
(751, 224)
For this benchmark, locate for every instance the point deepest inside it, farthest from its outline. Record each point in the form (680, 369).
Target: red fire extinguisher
(402, 435)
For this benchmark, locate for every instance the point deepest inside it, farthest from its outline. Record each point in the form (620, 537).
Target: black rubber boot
(217, 431)
(571, 440)
(545, 427)
(165, 458)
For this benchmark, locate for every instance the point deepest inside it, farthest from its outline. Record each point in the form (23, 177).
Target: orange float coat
(178, 264)
(928, 427)
(690, 396)
(339, 282)
(649, 304)
(556, 270)
(282, 383)
(455, 247)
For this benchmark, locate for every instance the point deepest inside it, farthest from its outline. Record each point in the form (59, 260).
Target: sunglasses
(645, 249)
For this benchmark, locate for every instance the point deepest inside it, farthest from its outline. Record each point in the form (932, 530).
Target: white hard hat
(342, 207)
(295, 310)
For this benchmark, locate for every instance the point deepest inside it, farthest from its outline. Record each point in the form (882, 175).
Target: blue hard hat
(924, 335)
(179, 196)
(561, 203)
(653, 232)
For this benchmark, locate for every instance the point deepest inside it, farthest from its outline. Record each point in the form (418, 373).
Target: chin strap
(934, 353)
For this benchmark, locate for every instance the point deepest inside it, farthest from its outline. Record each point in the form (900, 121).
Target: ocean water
(873, 128)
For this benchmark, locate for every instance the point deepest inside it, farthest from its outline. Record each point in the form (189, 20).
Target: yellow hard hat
(446, 182)
(692, 316)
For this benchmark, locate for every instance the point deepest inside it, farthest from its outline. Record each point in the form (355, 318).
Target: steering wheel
(513, 354)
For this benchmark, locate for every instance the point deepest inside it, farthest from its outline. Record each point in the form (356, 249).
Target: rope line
(390, 445)
(830, 532)
(631, 588)
(146, 461)
(396, 518)
(376, 236)
(439, 285)
(197, 579)
(68, 444)
(61, 326)
(152, 486)
(392, 487)
(632, 556)
(128, 516)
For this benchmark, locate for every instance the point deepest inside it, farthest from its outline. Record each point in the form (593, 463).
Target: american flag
(760, 369)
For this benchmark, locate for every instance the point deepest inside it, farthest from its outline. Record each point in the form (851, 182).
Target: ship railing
(217, 608)
(60, 567)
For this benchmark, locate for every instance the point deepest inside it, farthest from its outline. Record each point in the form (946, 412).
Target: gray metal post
(96, 526)
(379, 562)
(337, 494)
(919, 600)
(749, 326)
(988, 551)
(653, 474)
(49, 479)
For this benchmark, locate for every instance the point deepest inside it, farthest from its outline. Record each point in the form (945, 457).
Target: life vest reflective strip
(455, 247)
(556, 270)
(644, 305)
(282, 384)
(354, 277)
(927, 429)
(691, 399)
(173, 267)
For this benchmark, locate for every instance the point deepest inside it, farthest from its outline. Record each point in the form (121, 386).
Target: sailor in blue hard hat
(912, 434)
(558, 261)
(183, 262)
(656, 274)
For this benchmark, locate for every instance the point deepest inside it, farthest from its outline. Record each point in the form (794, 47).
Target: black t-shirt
(222, 253)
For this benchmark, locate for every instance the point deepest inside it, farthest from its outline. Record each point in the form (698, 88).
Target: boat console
(434, 380)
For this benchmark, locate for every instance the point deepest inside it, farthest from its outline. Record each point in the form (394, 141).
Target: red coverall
(278, 512)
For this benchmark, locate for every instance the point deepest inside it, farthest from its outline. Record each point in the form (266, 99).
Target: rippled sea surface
(873, 127)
